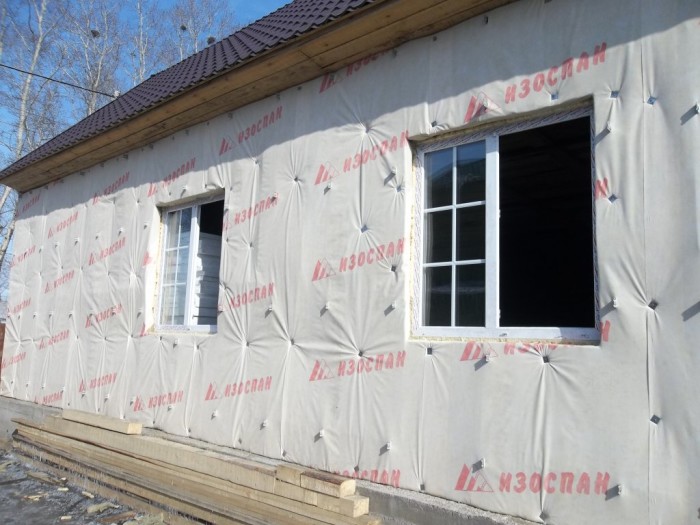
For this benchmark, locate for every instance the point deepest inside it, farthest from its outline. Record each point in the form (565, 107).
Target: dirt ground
(32, 497)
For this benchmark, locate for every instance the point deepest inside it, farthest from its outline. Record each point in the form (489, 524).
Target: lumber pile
(112, 458)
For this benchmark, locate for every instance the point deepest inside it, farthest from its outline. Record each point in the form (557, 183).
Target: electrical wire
(58, 81)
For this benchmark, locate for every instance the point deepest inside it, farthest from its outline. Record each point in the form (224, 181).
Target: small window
(507, 232)
(191, 259)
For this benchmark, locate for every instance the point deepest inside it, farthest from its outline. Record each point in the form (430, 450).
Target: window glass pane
(170, 267)
(175, 267)
(202, 307)
(471, 172)
(471, 298)
(471, 233)
(185, 226)
(172, 223)
(438, 178)
(173, 306)
(178, 309)
(182, 263)
(437, 236)
(437, 296)
(166, 308)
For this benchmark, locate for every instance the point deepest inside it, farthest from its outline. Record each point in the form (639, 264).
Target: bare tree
(33, 39)
(8, 207)
(142, 43)
(93, 39)
(26, 39)
(193, 22)
(3, 26)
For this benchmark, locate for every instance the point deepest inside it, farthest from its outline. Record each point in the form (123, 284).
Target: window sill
(199, 329)
(568, 335)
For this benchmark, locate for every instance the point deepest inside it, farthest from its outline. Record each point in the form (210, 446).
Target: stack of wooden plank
(187, 483)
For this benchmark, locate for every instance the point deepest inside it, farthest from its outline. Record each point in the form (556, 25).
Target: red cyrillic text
(267, 120)
(554, 482)
(568, 68)
(252, 296)
(111, 188)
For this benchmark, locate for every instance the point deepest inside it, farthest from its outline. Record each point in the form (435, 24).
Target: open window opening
(546, 233)
(191, 261)
(507, 231)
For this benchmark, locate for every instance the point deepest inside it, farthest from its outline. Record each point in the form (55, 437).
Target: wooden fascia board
(377, 27)
(441, 16)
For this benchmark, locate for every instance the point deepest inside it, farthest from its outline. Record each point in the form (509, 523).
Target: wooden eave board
(378, 27)
(144, 134)
(402, 29)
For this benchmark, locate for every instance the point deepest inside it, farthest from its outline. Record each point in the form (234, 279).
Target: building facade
(465, 265)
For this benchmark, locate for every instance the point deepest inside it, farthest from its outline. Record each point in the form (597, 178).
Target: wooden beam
(164, 486)
(352, 506)
(295, 492)
(414, 23)
(203, 488)
(108, 423)
(329, 484)
(95, 482)
(100, 482)
(151, 448)
(289, 473)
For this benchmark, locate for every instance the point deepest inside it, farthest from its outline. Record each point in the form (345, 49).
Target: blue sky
(248, 11)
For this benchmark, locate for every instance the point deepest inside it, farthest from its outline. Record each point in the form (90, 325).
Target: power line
(58, 81)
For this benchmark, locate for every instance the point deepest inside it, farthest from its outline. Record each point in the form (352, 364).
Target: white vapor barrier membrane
(314, 358)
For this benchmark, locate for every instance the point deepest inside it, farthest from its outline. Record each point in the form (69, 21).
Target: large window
(507, 232)
(191, 259)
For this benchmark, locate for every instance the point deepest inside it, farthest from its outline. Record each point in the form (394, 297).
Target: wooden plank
(299, 502)
(232, 469)
(384, 15)
(440, 16)
(108, 423)
(180, 481)
(87, 479)
(289, 473)
(246, 497)
(329, 484)
(352, 506)
(295, 492)
(118, 518)
(165, 486)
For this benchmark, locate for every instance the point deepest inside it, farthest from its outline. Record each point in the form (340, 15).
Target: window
(507, 232)
(191, 259)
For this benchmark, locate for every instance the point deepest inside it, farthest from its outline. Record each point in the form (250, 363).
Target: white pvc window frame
(189, 323)
(491, 328)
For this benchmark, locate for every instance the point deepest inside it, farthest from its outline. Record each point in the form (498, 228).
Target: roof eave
(376, 27)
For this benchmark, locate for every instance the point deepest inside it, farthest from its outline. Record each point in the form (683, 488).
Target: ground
(32, 497)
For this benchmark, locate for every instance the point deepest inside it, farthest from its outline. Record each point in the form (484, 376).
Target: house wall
(558, 439)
